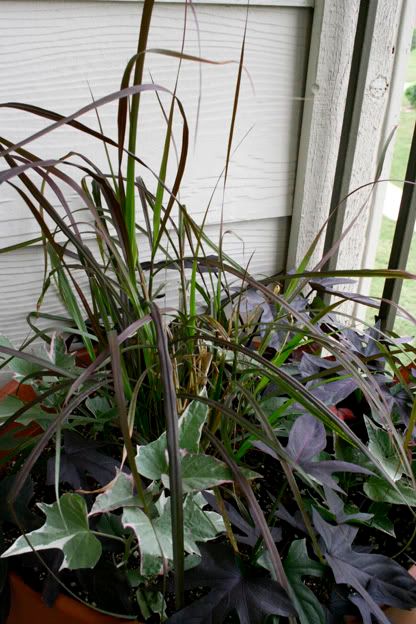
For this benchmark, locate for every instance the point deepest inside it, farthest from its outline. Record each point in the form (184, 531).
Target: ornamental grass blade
(118, 381)
(255, 510)
(172, 438)
(129, 201)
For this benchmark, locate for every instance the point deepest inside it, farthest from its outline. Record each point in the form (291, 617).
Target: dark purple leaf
(248, 533)
(79, 458)
(376, 578)
(322, 471)
(307, 438)
(363, 608)
(22, 512)
(294, 519)
(312, 364)
(234, 587)
(364, 344)
(300, 304)
(327, 282)
(336, 506)
(371, 338)
(333, 392)
(353, 339)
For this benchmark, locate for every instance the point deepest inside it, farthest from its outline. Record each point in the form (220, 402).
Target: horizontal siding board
(50, 51)
(260, 247)
(301, 4)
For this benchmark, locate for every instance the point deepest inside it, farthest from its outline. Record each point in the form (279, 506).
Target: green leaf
(155, 537)
(66, 528)
(10, 404)
(380, 491)
(151, 602)
(191, 423)
(380, 519)
(201, 472)
(119, 495)
(18, 365)
(151, 459)
(381, 445)
(150, 542)
(296, 565)
(58, 354)
(199, 525)
(102, 408)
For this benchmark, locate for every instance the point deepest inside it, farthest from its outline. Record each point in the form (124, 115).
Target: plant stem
(109, 536)
(298, 497)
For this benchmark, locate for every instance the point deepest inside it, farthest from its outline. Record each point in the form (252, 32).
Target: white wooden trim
(392, 117)
(331, 51)
(373, 92)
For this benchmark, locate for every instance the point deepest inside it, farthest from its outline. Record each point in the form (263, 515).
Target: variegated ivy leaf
(155, 536)
(55, 353)
(10, 404)
(202, 472)
(380, 443)
(152, 460)
(66, 528)
(151, 602)
(20, 366)
(119, 494)
(199, 525)
(58, 354)
(198, 471)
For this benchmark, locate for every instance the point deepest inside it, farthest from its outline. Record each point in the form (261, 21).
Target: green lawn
(408, 295)
(404, 132)
(398, 170)
(411, 70)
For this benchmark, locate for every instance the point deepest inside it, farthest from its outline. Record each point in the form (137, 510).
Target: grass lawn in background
(408, 295)
(404, 132)
(403, 140)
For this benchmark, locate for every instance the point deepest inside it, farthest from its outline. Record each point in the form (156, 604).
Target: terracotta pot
(399, 616)
(27, 606)
(396, 616)
(82, 358)
(25, 393)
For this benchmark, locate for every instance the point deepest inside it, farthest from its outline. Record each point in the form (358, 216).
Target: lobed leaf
(298, 564)
(66, 528)
(234, 587)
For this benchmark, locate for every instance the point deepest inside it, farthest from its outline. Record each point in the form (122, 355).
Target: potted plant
(207, 463)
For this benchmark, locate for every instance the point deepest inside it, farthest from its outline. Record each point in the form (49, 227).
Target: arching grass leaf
(248, 533)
